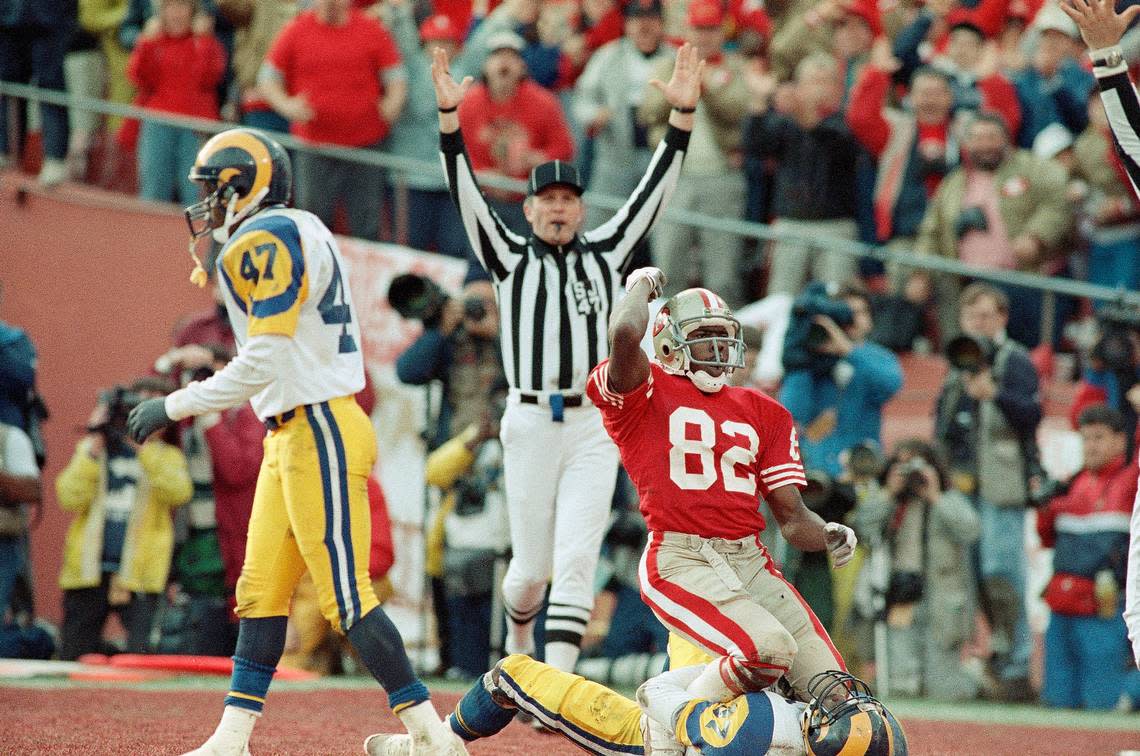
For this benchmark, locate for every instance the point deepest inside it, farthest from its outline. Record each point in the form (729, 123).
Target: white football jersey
(283, 274)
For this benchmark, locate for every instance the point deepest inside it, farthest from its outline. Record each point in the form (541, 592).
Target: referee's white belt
(544, 397)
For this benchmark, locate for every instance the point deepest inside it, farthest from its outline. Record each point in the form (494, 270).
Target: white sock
(235, 728)
(710, 685)
(423, 722)
(520, 638)
(562, 655)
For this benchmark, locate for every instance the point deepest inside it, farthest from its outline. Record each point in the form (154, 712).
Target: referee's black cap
(554, 173)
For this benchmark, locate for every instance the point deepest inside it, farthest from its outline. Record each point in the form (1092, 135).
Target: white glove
(841, 542)
(656, 279)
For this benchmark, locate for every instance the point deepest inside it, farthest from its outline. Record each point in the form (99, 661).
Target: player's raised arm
(629, 367)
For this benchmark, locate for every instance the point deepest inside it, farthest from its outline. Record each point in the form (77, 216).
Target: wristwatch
(1108, 57)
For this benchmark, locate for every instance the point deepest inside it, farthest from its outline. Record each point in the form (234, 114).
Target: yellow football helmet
(243, 170)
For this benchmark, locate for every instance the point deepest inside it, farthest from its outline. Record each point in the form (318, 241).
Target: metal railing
(398, 167)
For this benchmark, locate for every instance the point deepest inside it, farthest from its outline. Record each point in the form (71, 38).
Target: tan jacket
(1031, 201)
(717, 130)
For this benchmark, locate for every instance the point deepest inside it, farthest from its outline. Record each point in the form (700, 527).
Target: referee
(556, 288)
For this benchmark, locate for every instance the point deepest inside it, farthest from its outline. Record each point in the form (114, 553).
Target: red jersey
(339, 70)
(700, 461)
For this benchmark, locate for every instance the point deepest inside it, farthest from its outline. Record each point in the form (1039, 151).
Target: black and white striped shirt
(1123, 109)
(555, 303)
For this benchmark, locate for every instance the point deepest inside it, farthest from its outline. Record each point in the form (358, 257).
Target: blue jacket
(876, 376)
(1062, 98)
(17, 374)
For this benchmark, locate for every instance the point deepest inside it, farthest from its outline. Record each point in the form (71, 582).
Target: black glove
(146, 418)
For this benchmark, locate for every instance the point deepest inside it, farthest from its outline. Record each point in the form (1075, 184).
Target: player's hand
(146, 418)
(684, 87)
(841, 542)
(1101, 26)
(448, 93)
(655, 277)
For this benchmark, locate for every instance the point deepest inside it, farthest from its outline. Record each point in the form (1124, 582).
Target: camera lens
(474, 309)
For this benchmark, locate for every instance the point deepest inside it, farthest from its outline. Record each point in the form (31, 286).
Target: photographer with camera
(118, 548)
(1112, 374)
(928, 529)
(986, 421)
(1086, 659)
(459, 347)
(223, 451)
(468, 534)
(836, 381)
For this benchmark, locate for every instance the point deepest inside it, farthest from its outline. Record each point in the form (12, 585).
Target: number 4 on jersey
(336, 312)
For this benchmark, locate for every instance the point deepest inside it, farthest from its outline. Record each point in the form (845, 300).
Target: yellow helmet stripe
(858, 736)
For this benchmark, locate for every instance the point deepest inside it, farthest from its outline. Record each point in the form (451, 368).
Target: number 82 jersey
(282, 274)
(699, 461)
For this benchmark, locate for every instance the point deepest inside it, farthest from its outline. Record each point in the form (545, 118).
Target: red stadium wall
(98, 281)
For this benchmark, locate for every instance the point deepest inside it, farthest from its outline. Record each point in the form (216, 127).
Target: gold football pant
(310, 511)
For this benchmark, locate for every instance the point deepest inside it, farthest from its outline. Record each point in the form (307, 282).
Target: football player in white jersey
(299, 363)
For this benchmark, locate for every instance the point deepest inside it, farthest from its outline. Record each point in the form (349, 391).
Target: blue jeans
(469, 634)
(1086, 661)
(28, 53)
(166, 154)
(1001, 556)
(13, 566)
(634, 629)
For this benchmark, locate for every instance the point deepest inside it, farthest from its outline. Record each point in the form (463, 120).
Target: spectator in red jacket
(176, 66)
(910, 143)
(1086, 653)
(512, 123)
(335, 74)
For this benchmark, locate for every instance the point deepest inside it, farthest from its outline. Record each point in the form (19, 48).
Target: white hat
(1051, 141)
(505, 40)
(1052, 17)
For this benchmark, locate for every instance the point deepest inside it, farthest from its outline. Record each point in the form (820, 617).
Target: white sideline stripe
(708, 633)
(338, 509)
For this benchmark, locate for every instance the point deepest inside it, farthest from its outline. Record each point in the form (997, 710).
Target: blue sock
(411, 694)
(381, 649)
(259, 647)
(477, 715)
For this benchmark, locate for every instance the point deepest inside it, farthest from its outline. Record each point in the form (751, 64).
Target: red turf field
(101, 721)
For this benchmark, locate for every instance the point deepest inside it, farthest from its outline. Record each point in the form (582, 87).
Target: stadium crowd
(970, 131)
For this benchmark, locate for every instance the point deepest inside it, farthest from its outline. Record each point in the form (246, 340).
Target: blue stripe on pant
(335, 503)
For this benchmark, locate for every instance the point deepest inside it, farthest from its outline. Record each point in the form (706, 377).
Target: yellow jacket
(149, 544)
(443, 468)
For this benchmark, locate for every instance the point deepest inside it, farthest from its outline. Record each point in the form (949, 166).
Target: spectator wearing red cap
(513, 124)
(432, 221)
(336, 75)
(713, 180)
(608, 95)
(969, 60)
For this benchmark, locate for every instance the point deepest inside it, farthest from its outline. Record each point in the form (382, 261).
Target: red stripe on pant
(699, 606)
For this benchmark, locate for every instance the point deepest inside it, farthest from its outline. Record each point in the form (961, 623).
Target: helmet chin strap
(709, 384)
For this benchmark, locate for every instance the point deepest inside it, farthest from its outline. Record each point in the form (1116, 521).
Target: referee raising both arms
(556, 288)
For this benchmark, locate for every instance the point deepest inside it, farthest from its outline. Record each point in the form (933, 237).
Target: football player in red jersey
(701, 453)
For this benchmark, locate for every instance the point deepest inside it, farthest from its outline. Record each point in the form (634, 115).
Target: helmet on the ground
(686, 312)
(843, 717)
(243, 170)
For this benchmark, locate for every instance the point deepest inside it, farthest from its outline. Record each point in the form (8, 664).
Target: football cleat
(402, 744)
